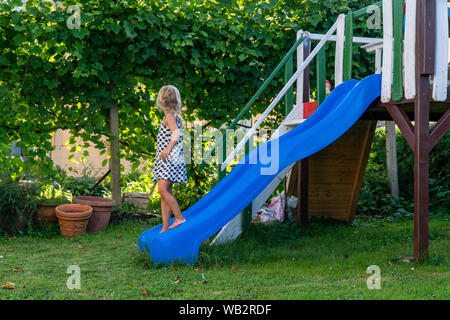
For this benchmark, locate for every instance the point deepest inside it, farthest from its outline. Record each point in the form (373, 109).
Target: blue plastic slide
(340, 110)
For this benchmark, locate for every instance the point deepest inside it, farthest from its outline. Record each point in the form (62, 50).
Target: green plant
(82, 184)
(217, 53)
(53, 194)
(375, 196)
(18, 203)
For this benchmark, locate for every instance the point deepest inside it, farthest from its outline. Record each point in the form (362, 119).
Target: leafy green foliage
(81, 185)
(375, 196)
(18, 203)
(216, 53)
(53, 194)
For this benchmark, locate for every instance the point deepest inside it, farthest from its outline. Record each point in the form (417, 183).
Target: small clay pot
(101, 213)
(46, 215)
(73, 218)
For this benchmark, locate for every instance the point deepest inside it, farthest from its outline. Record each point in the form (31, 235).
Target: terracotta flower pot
(46, 215)
(73, 218)
(101, 214)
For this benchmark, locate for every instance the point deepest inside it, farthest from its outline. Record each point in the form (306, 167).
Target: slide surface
(340, 110)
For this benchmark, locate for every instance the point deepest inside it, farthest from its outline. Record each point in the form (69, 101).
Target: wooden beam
(321, 76)
(114, 161)
(404, 124)
(306, 83)
(388, 52)
(391, 158)
(302, 202)
(397, 85)
(425, 35)
(361, 168)
(299, 91)
(348, 47)
(303, 165)
(421, 169)
(409, 81)
(385, 116)
(289, 97)
(440, 129)
(425, 43)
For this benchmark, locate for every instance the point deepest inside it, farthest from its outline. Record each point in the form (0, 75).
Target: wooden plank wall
(336, 174)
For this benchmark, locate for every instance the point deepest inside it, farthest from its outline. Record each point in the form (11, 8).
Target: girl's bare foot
(177, 222)
(163, 229)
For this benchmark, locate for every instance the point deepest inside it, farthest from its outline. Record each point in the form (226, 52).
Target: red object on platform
(309, 108)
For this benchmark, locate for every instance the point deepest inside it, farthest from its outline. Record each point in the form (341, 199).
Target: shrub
(375, 195)
(18, 203)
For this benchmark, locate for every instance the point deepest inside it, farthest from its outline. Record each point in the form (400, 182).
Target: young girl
(169, 161)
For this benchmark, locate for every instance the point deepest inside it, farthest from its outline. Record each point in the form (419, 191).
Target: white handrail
(281, 93)
(388, 52)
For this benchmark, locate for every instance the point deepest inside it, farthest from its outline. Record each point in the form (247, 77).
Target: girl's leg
(165, 213)
(165, 190)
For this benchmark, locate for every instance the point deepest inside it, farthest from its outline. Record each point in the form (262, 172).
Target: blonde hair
(169, 99)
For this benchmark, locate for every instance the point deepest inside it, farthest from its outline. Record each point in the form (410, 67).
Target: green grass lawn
(326, 261)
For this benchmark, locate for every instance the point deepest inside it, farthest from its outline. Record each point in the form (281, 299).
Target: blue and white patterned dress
(174, 168)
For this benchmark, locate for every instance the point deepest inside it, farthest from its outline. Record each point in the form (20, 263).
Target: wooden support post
(289, 97)
(348, 46)
(397, 86)
(114, 161)
(321, 76)
(302, 199)
(247, 214)
(391, 158)
(303, 165)
(288, 105)
(421, 169)
(222, 156)
(425, 46)
(306, 83)
(299, 90)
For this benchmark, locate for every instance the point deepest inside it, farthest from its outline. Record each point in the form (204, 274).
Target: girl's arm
(171, 123)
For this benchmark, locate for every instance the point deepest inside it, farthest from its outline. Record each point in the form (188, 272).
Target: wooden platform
(377, 111)
(335, 174)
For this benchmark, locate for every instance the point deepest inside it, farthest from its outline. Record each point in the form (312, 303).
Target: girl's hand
(164, 154)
